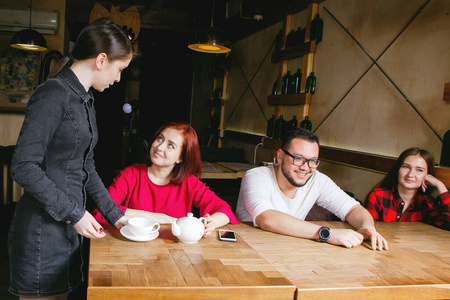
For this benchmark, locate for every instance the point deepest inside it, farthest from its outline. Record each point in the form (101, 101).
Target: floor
(6, 213)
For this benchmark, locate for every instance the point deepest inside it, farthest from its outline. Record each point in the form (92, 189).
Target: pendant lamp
(29, 39)
(210, 39)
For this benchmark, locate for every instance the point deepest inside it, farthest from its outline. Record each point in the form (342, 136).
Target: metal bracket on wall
(249, 83)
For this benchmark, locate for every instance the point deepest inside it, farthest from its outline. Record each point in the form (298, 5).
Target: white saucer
(125, 231)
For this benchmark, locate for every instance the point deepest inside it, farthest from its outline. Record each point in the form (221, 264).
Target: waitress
(53, 162)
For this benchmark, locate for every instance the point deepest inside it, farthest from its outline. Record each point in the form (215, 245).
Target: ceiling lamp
(29, 39)
(210, 39)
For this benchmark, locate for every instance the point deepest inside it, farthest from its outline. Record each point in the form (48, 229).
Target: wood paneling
(168, 269)
(415, 266)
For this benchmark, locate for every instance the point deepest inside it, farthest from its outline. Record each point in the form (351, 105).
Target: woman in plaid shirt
(405, 192)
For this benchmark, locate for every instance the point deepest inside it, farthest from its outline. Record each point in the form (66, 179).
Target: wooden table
(165, 268)
(417, 265)
(224, 170)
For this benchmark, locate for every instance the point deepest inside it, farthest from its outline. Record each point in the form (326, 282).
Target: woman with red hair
(167, 186)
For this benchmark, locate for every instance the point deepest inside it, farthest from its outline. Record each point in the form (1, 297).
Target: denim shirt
(53, 158)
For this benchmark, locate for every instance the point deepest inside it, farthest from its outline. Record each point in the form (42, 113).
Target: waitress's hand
(434, 182)
(89, 227)
(155, 217)
(122, 222)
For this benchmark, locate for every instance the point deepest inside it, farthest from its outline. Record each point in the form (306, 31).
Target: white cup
(142, 226)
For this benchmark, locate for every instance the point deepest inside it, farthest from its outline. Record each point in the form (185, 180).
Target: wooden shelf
(273, 144)
(294, 52)
(290, 99)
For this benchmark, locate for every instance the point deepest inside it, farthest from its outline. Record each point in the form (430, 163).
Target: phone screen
(227, 235)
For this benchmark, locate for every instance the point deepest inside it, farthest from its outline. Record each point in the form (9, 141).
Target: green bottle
(278, 40)
(275, 87)
(279, 128)
(296, 82)
(292, 124)
(270, 125)
(290, 39)
(286, 81)
(316, 29)
(306, 124)
(310, 84)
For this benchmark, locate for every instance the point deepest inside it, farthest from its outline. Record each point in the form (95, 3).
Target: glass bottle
(316, 29)
(298, 34)
(306, 124)
(278, 131)
(290, 39)
(310, 84)
(292, 124)
(296, 82)
(278, 41)
(285, 83)
(275, 87)
(270, 125)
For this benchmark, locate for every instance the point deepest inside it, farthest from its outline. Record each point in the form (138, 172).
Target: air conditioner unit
(13, 20)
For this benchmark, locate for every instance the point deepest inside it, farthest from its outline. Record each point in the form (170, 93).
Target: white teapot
(189, 229)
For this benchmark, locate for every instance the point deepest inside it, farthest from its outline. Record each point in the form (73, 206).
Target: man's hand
(89, 227)
(378, 242)
(345, 237)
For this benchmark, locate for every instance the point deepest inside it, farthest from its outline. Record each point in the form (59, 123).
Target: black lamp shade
(210, 40)
(29, 39)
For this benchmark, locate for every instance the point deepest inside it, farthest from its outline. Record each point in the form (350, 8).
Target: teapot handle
(203, 220)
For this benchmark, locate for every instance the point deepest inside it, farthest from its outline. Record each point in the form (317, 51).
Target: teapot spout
(176, 229)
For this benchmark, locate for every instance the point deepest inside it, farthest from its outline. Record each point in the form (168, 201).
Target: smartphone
(227, 235)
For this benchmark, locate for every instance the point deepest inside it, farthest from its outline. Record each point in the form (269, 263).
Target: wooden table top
(165, 268)
(224, 170)
(417, 265)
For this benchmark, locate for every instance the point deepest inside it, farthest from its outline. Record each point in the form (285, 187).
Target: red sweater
(132, 188)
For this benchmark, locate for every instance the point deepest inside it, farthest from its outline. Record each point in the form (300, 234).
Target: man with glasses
(278, 198)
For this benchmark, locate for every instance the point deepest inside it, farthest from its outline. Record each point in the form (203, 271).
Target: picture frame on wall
(18, 79)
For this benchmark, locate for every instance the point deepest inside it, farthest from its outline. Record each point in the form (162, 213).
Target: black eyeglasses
(300, 161)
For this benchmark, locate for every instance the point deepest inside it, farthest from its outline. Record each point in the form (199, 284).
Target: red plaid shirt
(386, 205)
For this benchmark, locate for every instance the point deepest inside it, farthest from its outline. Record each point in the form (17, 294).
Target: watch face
(324, 233)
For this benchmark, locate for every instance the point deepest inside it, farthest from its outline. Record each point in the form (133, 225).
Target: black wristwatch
(324, 233)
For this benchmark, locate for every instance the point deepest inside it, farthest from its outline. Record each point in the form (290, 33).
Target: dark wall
(165, 79)
(110, 116)
(164, 95)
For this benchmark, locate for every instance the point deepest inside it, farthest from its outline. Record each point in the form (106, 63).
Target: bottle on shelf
(286, 81)
(290, 39)
(296, 82)
(278, 131)
(275, 87)
(278, 39)
(310, 84)
(316, 29)
(298, 34)
(292, 124)
(302, 35)
(306, 124)
(270, 125)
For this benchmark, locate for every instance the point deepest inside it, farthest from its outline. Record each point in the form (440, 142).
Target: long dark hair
(191, 160)
(101, 36)
(391, 178)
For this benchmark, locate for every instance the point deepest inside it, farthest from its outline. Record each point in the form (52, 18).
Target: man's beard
(289, 177)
